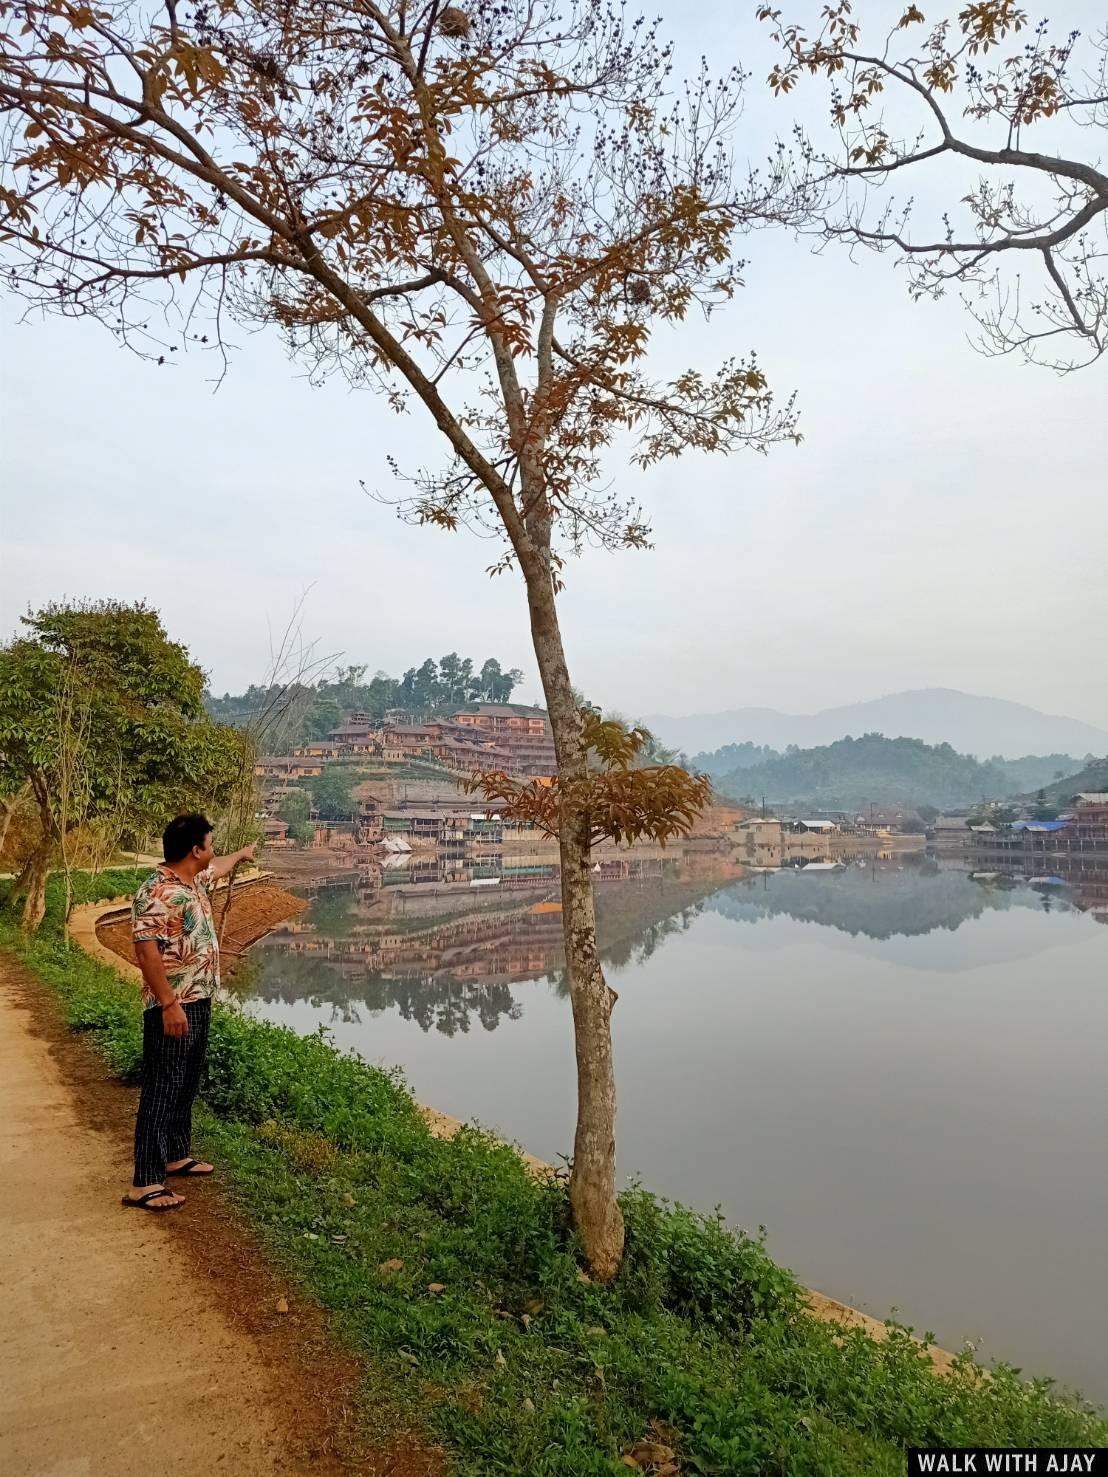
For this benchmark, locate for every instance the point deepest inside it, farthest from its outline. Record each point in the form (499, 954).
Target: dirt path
(130, 1341)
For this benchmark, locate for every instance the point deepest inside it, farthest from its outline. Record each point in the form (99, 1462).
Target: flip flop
(189, 1170)
(144, 1201)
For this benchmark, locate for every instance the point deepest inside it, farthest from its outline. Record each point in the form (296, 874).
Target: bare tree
(293, 665)
(73, 774)
(489, 218)
(911, 104)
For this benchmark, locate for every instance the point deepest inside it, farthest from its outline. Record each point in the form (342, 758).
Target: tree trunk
(222, 929)
(9, 808)
(21, 883)
(592, 1187)
(32, 882)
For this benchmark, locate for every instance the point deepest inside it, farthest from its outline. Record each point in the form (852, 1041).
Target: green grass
(515, 1363)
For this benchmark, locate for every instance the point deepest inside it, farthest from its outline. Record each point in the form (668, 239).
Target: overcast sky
(943, 523)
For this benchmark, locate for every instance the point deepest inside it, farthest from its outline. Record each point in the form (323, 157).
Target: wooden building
(288, 767)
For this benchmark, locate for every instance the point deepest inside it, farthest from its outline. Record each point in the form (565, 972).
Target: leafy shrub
(699, 1267)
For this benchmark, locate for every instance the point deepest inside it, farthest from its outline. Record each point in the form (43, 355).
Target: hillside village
(407, 787)
(407, 777)
(408, 781)
(511, 738)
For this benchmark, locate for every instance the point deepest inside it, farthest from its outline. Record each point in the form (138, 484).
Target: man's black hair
(182, 834)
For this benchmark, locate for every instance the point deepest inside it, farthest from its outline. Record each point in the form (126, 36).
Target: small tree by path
(487, 209)
(1027, 243)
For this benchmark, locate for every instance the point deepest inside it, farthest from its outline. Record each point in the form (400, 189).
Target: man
(178, 953)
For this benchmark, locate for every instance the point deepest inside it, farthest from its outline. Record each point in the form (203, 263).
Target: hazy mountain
(974, 725)
(853, 773)
(887, 771)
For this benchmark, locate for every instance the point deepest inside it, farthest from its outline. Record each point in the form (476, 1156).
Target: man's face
(205, 854)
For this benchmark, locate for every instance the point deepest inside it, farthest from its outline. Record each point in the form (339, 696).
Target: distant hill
(1006, 776)
(1092, 779)
(982, 726)
(852, 774)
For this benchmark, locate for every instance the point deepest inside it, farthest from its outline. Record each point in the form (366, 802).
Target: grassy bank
(453, 1271)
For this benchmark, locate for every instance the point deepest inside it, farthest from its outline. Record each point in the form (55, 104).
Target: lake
(898, 1068)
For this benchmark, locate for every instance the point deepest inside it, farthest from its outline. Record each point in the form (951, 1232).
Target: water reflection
(443, 942)
(883, 900)
(897, 1067)
(443, 946)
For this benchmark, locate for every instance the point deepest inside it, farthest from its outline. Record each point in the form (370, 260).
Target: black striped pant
(171, 1070)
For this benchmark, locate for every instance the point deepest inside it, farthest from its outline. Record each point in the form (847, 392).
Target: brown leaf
(282, 1305)
(436, 1287)
(500, 1361)
(651, 1453)
(666, 1432)
(394, 1264)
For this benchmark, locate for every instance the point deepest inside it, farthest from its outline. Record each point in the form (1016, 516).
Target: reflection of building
(429, 920)
(1090, 893)
(764, 841)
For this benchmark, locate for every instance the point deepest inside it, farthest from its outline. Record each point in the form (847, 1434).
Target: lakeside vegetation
(103, 735)
(856, 772)
(455, 1275)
